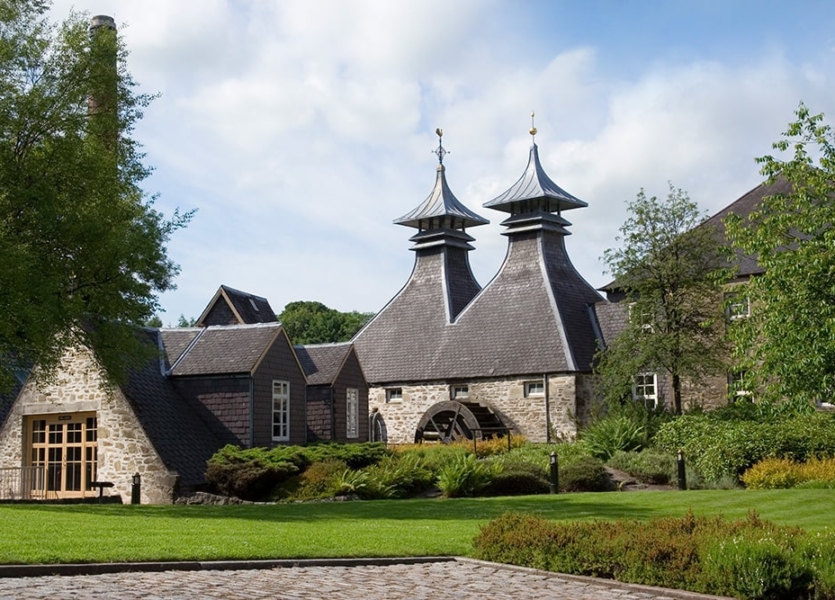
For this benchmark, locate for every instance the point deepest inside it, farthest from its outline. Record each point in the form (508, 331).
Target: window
(66, 448)
(352, 411)
(281, 411)
(737, 385)
(534, 388)
(645, 388)
(737, 306)
(640, 316)
(394, 395)
(460, 392)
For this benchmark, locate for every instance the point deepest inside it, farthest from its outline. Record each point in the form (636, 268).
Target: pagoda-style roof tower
(535, 316)
(407, 332)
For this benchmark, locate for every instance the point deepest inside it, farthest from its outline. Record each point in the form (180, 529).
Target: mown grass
(112, 533)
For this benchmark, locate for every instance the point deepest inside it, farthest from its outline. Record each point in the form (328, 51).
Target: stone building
(446, 358)
(654, 386)
(241, 383)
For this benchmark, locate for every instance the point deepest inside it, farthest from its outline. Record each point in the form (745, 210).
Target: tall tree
(787, 344)
(671, 272)
(83, 250)
(309, 322)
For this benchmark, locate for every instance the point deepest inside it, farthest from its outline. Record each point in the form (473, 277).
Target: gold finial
(440, 152)
(532, 129)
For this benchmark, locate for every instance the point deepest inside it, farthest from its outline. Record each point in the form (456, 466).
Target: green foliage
(320, 480)
(314, 323)
(717, 446)
(585, 475)
(397, 476)
(671, 273)
(748, 558)
(83, 249)
(540, 454)
(608, 435)
(251, 474)
(466, 476)
(786, 343)
(518, 478)
(647, 466)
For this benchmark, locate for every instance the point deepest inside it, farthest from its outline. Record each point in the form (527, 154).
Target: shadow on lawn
(561, 507)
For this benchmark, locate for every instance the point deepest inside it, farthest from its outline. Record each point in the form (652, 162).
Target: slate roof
(183, 441)
(441, 209)
(746, 204)
(533, 318)
(247, 308)
(535, 189)
(743, 207)
(323, 362)
(175, 341)
(221, 349)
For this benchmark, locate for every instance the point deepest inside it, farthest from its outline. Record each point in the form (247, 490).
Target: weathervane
(533, 129)
(440, 152)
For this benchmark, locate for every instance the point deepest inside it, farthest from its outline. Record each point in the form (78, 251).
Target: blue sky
(301, 129)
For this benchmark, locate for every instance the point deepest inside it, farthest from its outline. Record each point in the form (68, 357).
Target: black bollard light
(555, 474)
(135, 489)
(682, 476)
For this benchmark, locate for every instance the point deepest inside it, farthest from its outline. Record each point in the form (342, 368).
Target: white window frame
(641, 385)
(737, 388)
(534, 389)
(460, 392)
(394, 395)
(281, 411)
(737, 306)
(352, 413)
(642, 318)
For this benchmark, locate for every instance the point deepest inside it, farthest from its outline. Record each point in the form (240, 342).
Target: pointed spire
(534, 191)
(441, 209)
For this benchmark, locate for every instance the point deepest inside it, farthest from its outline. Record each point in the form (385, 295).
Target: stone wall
(123, 446)
(504, 396)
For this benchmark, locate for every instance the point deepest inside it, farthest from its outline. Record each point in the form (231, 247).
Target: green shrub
(647, 466)
(585, 475)
(758, 568)
(319, 480)
(397, 476)
(434, 456)
(250, 474)
(747, 558)
(540, 454)
(356, 456)
(613, 433)
(718, 446)
(465, 476)
(518, 478)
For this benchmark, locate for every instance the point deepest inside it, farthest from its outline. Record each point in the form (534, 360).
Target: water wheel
(452, 421)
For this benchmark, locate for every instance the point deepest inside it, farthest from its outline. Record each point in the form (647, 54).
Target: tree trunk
(677, 393)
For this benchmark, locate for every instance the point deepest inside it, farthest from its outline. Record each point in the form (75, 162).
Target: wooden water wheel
(451, 421)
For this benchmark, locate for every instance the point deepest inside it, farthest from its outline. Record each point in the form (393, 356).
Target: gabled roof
(222, 349)
(322, 363)
(742, 207)
(182, 440)
(245, 308)
(534, 190)
(441, 209)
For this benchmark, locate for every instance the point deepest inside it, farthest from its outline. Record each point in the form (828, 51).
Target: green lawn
(104, 533)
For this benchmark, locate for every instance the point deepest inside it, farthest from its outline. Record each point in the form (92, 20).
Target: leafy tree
(186, 322)
(83, 250)
(671, 272)
(154, 321)
(786, 344)
(310, 322)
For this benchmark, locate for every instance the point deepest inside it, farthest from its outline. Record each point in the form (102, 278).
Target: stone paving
(460, 579)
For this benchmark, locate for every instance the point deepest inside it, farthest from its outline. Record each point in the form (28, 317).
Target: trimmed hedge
(747, 558)
(719, 446)
(586, 475)
(781, 473)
